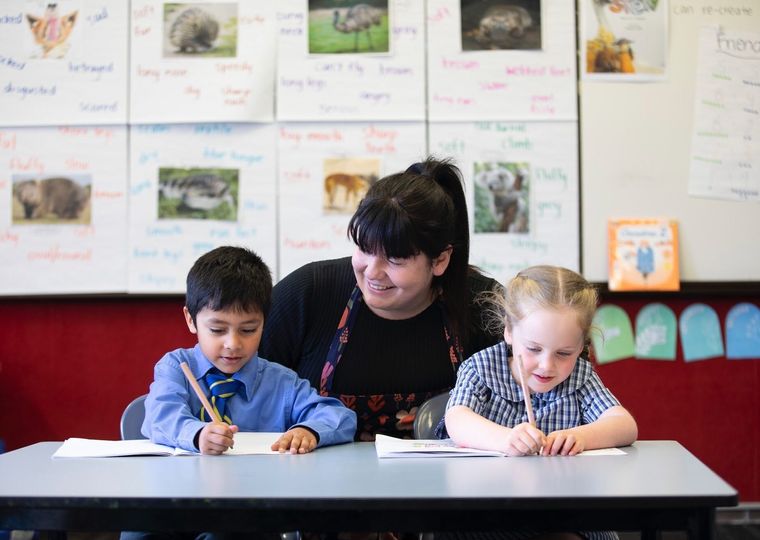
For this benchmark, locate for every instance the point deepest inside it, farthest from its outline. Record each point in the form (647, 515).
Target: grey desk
(658, 485)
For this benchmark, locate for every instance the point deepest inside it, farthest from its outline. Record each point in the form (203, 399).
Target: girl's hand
(563, 443)
(524, 440)
(216, 438)
(297, 440)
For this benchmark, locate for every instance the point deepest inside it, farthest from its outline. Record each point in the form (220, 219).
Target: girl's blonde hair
(546, 287)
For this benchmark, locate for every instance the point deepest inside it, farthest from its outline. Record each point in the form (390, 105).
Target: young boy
(228, 296)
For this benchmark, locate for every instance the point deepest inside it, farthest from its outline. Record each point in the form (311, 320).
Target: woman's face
(397, 288)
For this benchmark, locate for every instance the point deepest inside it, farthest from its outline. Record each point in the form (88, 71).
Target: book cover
(643, 255)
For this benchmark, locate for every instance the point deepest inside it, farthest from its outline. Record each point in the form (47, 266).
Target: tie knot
(221, 385)
(222, 388)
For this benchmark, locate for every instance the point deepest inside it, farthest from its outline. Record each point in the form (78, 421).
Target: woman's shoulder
(479, 282)
(318, 275)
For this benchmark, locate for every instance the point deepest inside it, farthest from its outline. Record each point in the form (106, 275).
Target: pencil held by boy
(546, 313)
(227, 299)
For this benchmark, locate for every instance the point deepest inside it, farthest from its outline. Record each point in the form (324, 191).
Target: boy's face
(550, 341)
(229, 338)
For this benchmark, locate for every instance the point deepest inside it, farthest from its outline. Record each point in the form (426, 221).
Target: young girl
(546, 312)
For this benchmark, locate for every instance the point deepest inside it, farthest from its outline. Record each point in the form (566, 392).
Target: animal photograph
(340, 27)
(210, 194)
(502, 197)
(500, 25)
(65, 199)
(610, 50)
(53, 26)
(346, 182)
(200, 30)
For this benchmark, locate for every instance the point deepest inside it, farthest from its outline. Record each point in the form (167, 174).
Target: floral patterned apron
(380, 413)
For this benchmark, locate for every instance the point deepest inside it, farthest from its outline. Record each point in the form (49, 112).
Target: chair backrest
(132, 419)
(428, 416)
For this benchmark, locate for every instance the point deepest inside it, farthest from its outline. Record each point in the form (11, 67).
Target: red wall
(69, 366)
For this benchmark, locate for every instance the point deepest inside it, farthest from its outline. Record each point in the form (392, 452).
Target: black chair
(132, 419)
(429, 414)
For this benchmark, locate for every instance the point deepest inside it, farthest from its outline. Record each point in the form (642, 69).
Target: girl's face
(397, 288)
(550, 341)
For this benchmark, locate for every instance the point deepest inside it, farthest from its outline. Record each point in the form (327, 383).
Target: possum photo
(56, 198)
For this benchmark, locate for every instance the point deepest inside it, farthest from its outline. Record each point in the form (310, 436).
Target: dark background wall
(68, 367)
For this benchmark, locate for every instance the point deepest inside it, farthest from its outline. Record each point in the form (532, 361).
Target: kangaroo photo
(346, 182)
(337, 27)
(54, 199)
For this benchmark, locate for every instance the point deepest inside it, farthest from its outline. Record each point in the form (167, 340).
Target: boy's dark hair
(229, 277)
(422, 210)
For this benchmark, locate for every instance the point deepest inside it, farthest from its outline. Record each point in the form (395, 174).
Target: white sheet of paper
(547, 152)
(73, 180)
(501, 84)
(67, 65)
(725, 148)
(166, 240)
(311, 226)
(245, 444)
(89, 448)
(350, 86)
(175, 82)
(392, 447)
(253, 443)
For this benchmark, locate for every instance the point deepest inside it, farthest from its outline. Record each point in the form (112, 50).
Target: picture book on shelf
(643, 254)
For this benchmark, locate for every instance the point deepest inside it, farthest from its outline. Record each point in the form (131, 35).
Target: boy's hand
(563, 443)
(297, 440)
(524, 440)
(216, 438)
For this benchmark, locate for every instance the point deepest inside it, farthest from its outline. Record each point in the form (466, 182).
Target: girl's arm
(614, 427)
(469, 429)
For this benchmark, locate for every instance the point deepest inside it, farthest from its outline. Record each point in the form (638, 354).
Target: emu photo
(339, 27)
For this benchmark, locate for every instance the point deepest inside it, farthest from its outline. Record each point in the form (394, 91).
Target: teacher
(386, 329)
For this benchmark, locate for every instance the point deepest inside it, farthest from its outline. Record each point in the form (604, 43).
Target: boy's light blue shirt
(274, 399)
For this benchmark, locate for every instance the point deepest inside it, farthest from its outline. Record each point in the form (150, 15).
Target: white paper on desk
(603, 452)
(245, 444)
(253, 443)
(88, 448)
(390, 447)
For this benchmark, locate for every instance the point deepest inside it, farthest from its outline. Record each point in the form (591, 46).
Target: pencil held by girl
(546, 314)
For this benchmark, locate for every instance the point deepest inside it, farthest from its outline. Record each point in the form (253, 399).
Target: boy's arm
(169, 419)
(332, 422)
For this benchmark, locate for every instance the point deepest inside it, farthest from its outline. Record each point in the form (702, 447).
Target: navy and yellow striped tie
(222, 388)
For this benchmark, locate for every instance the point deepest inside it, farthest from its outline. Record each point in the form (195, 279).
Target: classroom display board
(686, 147)
(137, 136)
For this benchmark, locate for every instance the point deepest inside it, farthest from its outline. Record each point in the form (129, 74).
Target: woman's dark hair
(422, 210)
(229, 277)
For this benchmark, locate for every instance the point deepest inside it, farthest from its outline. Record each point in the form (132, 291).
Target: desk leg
(702, 525)
(650, 534)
